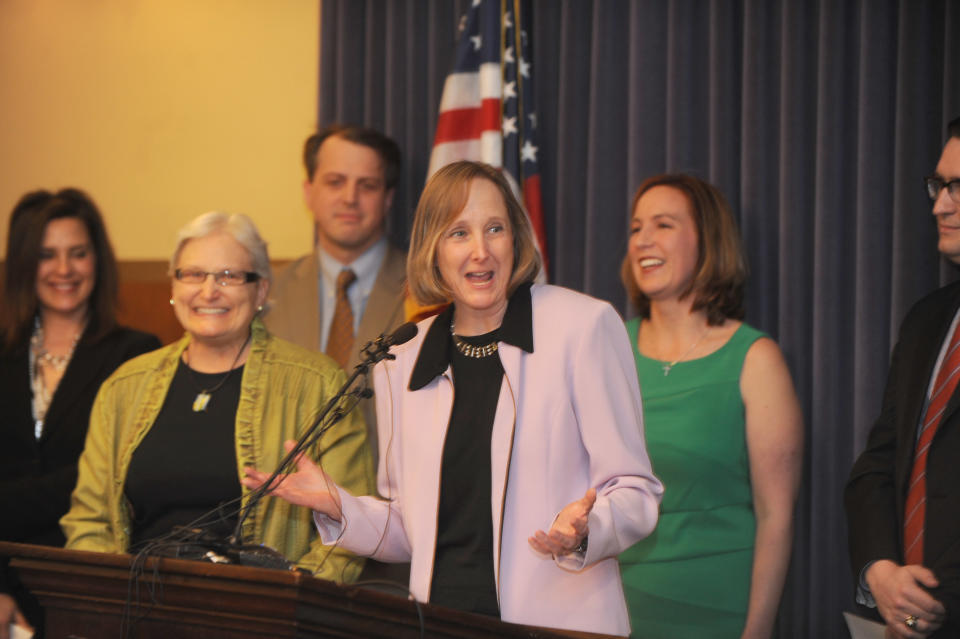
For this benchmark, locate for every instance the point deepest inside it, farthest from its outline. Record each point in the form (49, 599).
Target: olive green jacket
(282, 391)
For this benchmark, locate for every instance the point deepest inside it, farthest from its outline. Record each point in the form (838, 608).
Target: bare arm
(774, 431)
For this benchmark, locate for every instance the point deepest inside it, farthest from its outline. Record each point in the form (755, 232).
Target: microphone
(334, 410)
(378, 349)
(403, 334)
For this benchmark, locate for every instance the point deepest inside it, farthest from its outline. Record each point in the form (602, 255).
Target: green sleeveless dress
(691, 577)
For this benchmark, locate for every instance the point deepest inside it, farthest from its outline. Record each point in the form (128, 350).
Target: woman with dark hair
(723, 424)
(59, 340)
(512, 459)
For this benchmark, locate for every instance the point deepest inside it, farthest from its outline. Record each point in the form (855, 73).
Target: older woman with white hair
(171, 430)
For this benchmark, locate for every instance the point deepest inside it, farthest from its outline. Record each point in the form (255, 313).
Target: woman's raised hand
(309, 486)
(568, 529)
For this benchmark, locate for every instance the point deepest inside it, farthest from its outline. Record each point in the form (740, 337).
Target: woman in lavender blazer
(514, 467)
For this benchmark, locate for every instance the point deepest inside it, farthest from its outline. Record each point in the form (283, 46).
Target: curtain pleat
(818, 121)
(604, 238)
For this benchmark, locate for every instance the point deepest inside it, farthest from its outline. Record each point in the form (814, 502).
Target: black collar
(434, 356)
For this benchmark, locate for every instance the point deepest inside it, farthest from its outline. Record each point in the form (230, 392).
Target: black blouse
(186, 464)
(463, 576)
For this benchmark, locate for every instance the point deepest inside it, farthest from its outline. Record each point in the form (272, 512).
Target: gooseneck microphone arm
(333, 411)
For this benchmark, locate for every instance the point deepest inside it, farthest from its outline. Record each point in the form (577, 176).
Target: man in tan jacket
(352, 174)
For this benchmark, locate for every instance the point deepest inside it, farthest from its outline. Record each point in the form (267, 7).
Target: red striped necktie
(916, 506)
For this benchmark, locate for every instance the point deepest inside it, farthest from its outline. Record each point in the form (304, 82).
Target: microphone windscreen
(404, 333)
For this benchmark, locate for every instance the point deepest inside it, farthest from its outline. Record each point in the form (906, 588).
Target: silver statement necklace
(202, 399)
(669, 366)
(39, 358)
(469, 350)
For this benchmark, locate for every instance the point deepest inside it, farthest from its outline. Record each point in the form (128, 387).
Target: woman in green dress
(723, 424)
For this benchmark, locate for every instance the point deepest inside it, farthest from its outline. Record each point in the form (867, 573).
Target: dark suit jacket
(37, 477)
(877, 488)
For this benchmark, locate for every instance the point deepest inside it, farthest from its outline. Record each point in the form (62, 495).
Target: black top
(186, 464)
(37, 477)
(465, 514)
(463, 576)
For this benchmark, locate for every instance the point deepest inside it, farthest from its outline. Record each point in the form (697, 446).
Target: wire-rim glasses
(225, 277)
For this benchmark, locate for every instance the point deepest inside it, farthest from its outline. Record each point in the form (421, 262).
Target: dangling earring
(171, 301)
(260, 308)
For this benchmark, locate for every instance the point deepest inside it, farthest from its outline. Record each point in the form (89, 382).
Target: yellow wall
(161, 110)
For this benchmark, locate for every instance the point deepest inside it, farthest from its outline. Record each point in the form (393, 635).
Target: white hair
(236, 225)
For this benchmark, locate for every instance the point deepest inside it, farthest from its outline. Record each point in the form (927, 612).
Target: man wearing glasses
(903, 496)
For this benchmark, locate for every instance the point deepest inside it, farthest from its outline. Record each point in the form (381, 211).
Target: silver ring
(910, 621)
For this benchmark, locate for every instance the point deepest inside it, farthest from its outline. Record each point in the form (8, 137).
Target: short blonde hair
(442, 200)
(717, 285)
(236, 225)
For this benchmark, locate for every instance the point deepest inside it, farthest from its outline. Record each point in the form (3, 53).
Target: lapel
(954, 401)
(516, 338)
(16, 419)
(304, 310)
(501, 444)
(918, 362)
(384, 310)
(82, 371)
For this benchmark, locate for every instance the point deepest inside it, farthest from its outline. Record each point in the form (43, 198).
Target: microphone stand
(373, 352)
(189, 542)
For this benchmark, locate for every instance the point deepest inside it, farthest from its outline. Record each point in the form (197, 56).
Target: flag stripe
(460, 124)
(488, 148)
(487, 110)
(462, 90)
(531, 195)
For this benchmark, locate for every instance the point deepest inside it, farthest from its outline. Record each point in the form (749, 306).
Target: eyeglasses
(223, 278)
(934, 184)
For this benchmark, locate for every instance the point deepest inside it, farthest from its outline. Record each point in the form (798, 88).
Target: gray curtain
(816, 119)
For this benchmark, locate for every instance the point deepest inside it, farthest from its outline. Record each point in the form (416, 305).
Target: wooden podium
(84, 596)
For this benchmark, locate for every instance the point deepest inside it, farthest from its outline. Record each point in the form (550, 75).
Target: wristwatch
(581, 548)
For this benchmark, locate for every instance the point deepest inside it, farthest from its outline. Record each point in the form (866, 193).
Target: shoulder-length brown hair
(717, 286)
(443, 198)
(28, 221)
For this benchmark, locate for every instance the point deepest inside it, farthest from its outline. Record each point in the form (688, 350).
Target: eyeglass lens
(934, 185)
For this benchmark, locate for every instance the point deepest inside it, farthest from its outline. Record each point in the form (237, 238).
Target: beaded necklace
(39, 359)
(469, 350)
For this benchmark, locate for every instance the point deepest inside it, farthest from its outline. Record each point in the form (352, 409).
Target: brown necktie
(340, 337)
(916, 505)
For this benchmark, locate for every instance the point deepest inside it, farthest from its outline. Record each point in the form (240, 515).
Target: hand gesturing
(568, 529)
(309, 486)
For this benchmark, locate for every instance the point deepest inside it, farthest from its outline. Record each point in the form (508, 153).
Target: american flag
(487, 111)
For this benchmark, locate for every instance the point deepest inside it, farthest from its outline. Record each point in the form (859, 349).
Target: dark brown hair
(443, 198)
(28, 221)
(385, 147)
(717, 285)
(953, 128)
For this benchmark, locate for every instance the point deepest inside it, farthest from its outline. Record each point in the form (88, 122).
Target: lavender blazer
(568, 418)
